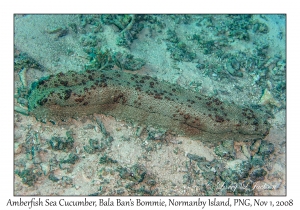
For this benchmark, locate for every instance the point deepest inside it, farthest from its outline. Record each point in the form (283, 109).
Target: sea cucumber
(146, 101)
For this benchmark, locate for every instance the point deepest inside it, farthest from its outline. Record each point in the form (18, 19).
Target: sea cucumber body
(144, 100)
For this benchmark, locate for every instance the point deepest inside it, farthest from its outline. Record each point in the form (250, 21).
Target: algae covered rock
(240, 168)
(136, 173)
(257, 160)
(266, 148)
(61, 143)
(195, 157)
(229, 176)
(71, 159)
(233, 67)
(226, 149)
(258, 174)
(29, 176)
(209, 175)
(106, 160)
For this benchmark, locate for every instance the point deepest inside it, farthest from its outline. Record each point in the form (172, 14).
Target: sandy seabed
(132, 159)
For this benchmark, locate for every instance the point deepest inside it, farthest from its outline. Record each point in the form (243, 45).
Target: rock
(267, 98)
(204, 165)
(18, 148)
(45, 168)
(37, 159)
(258, 174)
(266, 148)
(226, 149)
(156, 134)
(89, 126)
(229, 176)
(246, 151)
(209, 175)
(255, 147)
(260, 28)
(200, 66)
(195, 157)
(106, 160)
(257, 160)
(233, 66)
(29, 176)
(65, 180)
(187, 179)
(53, 178)
(61, 143)
(241, 168)
(120, 191)
(139, 130)
(136, 173)
(151, 182)
(71, 159)
(217, 166)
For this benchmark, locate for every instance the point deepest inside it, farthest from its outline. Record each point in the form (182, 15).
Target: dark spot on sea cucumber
(219, 118)
(79, 100)
(157, 96)
(67, 94)
(43, 101)
(64, 83)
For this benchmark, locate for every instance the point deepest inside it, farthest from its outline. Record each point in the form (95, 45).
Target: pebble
(255, 147)
(246, 151)
(18, 148)
(45, 168)
(266, 148)
(267, 98)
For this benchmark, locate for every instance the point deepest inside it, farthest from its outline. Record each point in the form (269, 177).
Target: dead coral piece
(267, 98)
(22, 75)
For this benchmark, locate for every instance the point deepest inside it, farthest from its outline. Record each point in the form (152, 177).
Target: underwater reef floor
(238, 59)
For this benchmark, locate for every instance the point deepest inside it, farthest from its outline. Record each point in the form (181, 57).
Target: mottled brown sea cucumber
(144, 100)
